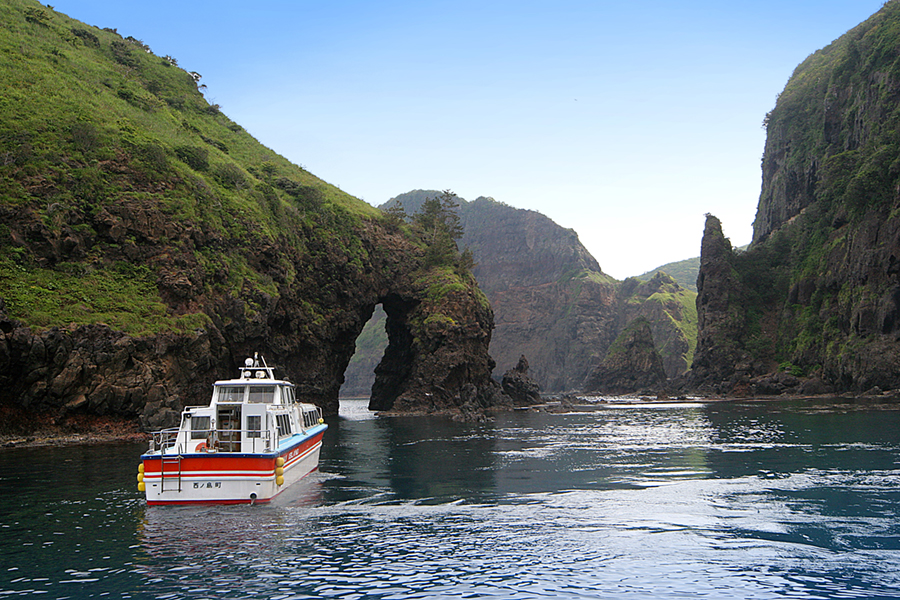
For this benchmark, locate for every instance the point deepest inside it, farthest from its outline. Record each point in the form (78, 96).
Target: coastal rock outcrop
(631, 365)
(720, 363)
(813, 303)
(551, 300)
(149, 244)
(519, 386)
(439, 328)
(52, 378)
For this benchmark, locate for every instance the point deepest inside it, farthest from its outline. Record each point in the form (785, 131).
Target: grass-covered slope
(90, 121)
(148, 244)
(682, 271)
(671, 312)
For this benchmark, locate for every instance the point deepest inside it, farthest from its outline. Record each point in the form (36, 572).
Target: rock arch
(393, 372)
(438, 323)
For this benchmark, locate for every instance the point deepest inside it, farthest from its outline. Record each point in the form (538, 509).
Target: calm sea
(689, 500)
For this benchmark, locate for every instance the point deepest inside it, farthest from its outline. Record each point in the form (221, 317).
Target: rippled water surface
(691, 500)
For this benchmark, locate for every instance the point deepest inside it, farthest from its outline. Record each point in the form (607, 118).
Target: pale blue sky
(625, 121)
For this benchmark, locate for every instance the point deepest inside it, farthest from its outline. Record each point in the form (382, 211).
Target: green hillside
(682, 271)
(89, 120)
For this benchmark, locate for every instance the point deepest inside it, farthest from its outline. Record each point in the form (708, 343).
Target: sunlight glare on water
(720, 500)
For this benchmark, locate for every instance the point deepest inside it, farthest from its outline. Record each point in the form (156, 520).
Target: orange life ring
(201, 447)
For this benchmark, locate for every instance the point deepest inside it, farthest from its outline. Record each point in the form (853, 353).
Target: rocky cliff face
(631, 365)
(437, 360)
(671, 313)
(720, 361)
(148, 244)
(813, 304)
(551, 300)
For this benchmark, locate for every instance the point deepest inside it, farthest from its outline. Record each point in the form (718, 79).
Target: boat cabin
(252, 414)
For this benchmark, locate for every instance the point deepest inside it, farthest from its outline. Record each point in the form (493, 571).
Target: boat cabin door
(228, 420)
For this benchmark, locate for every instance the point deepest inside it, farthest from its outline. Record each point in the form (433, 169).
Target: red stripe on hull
(226, 467)
(199, 502)
(223, 463)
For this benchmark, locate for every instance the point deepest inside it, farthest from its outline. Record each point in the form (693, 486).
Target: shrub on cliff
(438, 225)
(195, 157)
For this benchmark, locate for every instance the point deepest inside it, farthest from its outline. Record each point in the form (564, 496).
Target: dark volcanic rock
(719, 362)
(519, 386)
(631, 365)
(51, 377)
(437, 361)
(816, 294)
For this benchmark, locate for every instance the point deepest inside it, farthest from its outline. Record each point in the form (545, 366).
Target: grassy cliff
(148, 244)
(90, 120)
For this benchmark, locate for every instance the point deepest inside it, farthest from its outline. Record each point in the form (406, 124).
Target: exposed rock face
(437, 360)
(519, 386)
(814, 304)
(50, 376)
(719, 361)
(551, 300)
(631, 365)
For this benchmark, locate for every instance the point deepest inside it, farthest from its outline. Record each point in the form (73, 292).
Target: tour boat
(252, 442)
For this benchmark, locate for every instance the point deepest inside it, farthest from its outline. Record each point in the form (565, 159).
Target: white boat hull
(229, 478)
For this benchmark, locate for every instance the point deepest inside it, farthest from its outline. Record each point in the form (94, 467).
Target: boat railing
(218, 440)
(164, 439)
(312, 416)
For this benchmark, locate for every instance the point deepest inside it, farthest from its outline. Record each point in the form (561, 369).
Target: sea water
(785, 499)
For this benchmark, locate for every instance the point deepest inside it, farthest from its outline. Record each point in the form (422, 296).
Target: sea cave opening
(359, 377)
(383, 360)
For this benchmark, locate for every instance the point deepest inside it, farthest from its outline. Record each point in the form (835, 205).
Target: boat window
(262, 393)
(284, 425)
(254, 425)
(231, 393)
(199, 427)
(289, 394)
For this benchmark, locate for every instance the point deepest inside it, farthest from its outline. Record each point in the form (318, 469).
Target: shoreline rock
(76, 431)
(518, 385)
